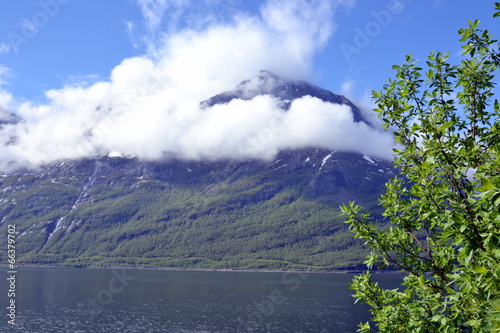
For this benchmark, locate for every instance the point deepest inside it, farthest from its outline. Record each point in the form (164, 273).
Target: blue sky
(126, 76)
(89, 38)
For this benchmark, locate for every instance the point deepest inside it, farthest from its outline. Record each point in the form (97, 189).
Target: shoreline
(334, 271)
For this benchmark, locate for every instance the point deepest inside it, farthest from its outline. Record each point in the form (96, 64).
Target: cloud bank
(150, 106)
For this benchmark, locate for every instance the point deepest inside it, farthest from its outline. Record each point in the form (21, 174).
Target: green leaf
(486, 185)
(438, 221)
(445, 126)
(496, 199)
(497, 6)
(479, 269)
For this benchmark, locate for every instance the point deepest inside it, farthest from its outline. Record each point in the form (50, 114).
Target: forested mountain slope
(254, 214)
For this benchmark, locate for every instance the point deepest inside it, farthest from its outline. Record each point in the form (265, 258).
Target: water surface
(95, 300)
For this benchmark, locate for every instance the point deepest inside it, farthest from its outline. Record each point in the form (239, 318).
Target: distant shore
(334, 271)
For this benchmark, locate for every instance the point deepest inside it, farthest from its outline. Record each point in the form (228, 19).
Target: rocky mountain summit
(268, 83)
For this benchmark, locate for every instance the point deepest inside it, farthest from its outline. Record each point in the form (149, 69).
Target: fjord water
(106, 300)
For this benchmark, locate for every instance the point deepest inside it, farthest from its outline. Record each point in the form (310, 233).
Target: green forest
(210, 218)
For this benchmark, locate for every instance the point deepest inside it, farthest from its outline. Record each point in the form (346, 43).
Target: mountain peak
(287, 90)
(267, 74)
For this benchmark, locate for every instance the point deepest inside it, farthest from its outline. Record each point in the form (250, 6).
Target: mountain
(267, 83)
(114, 210)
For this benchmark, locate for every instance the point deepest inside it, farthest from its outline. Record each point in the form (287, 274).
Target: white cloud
(153, 11)
(150, 106)
(5, 98)
(4, 71)
(130, 29)
(346, 87)
(365, 103)
(310, 29)
(318, 124)
(5, 48)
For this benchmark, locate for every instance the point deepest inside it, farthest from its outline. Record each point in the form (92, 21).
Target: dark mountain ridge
(268, 83)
